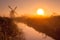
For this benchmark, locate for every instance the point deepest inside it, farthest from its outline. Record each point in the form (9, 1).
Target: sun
(40, 12)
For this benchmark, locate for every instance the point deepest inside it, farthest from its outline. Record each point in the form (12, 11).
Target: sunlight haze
(29, 7)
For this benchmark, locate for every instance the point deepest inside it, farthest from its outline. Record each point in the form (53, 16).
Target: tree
(9, 30)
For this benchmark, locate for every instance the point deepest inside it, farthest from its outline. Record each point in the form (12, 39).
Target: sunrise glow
(40, 12)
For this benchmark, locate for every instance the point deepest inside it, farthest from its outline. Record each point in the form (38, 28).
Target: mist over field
(49, 26)
(25, 28)
(29, 19)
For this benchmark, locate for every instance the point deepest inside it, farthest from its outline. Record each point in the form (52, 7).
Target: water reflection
(32, 34)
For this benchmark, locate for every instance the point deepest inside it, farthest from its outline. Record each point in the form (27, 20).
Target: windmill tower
(12, 12)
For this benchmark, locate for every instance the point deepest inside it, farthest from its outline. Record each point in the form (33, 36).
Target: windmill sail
(10, 7)
(12, 12)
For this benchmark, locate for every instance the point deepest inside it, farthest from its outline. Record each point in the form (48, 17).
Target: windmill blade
(16, 13)
(15, 8)
(10, 7)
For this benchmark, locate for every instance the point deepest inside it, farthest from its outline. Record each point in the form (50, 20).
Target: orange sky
(29, 7)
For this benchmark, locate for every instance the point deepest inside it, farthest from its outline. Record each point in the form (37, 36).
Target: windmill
(12, 12)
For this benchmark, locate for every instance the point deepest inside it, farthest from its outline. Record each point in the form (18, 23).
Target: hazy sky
(30, 6)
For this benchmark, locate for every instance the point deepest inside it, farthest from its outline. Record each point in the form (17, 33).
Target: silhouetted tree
(50, 26)
(9, 30)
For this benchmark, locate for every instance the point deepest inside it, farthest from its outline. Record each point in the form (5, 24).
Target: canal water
(31, 34)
